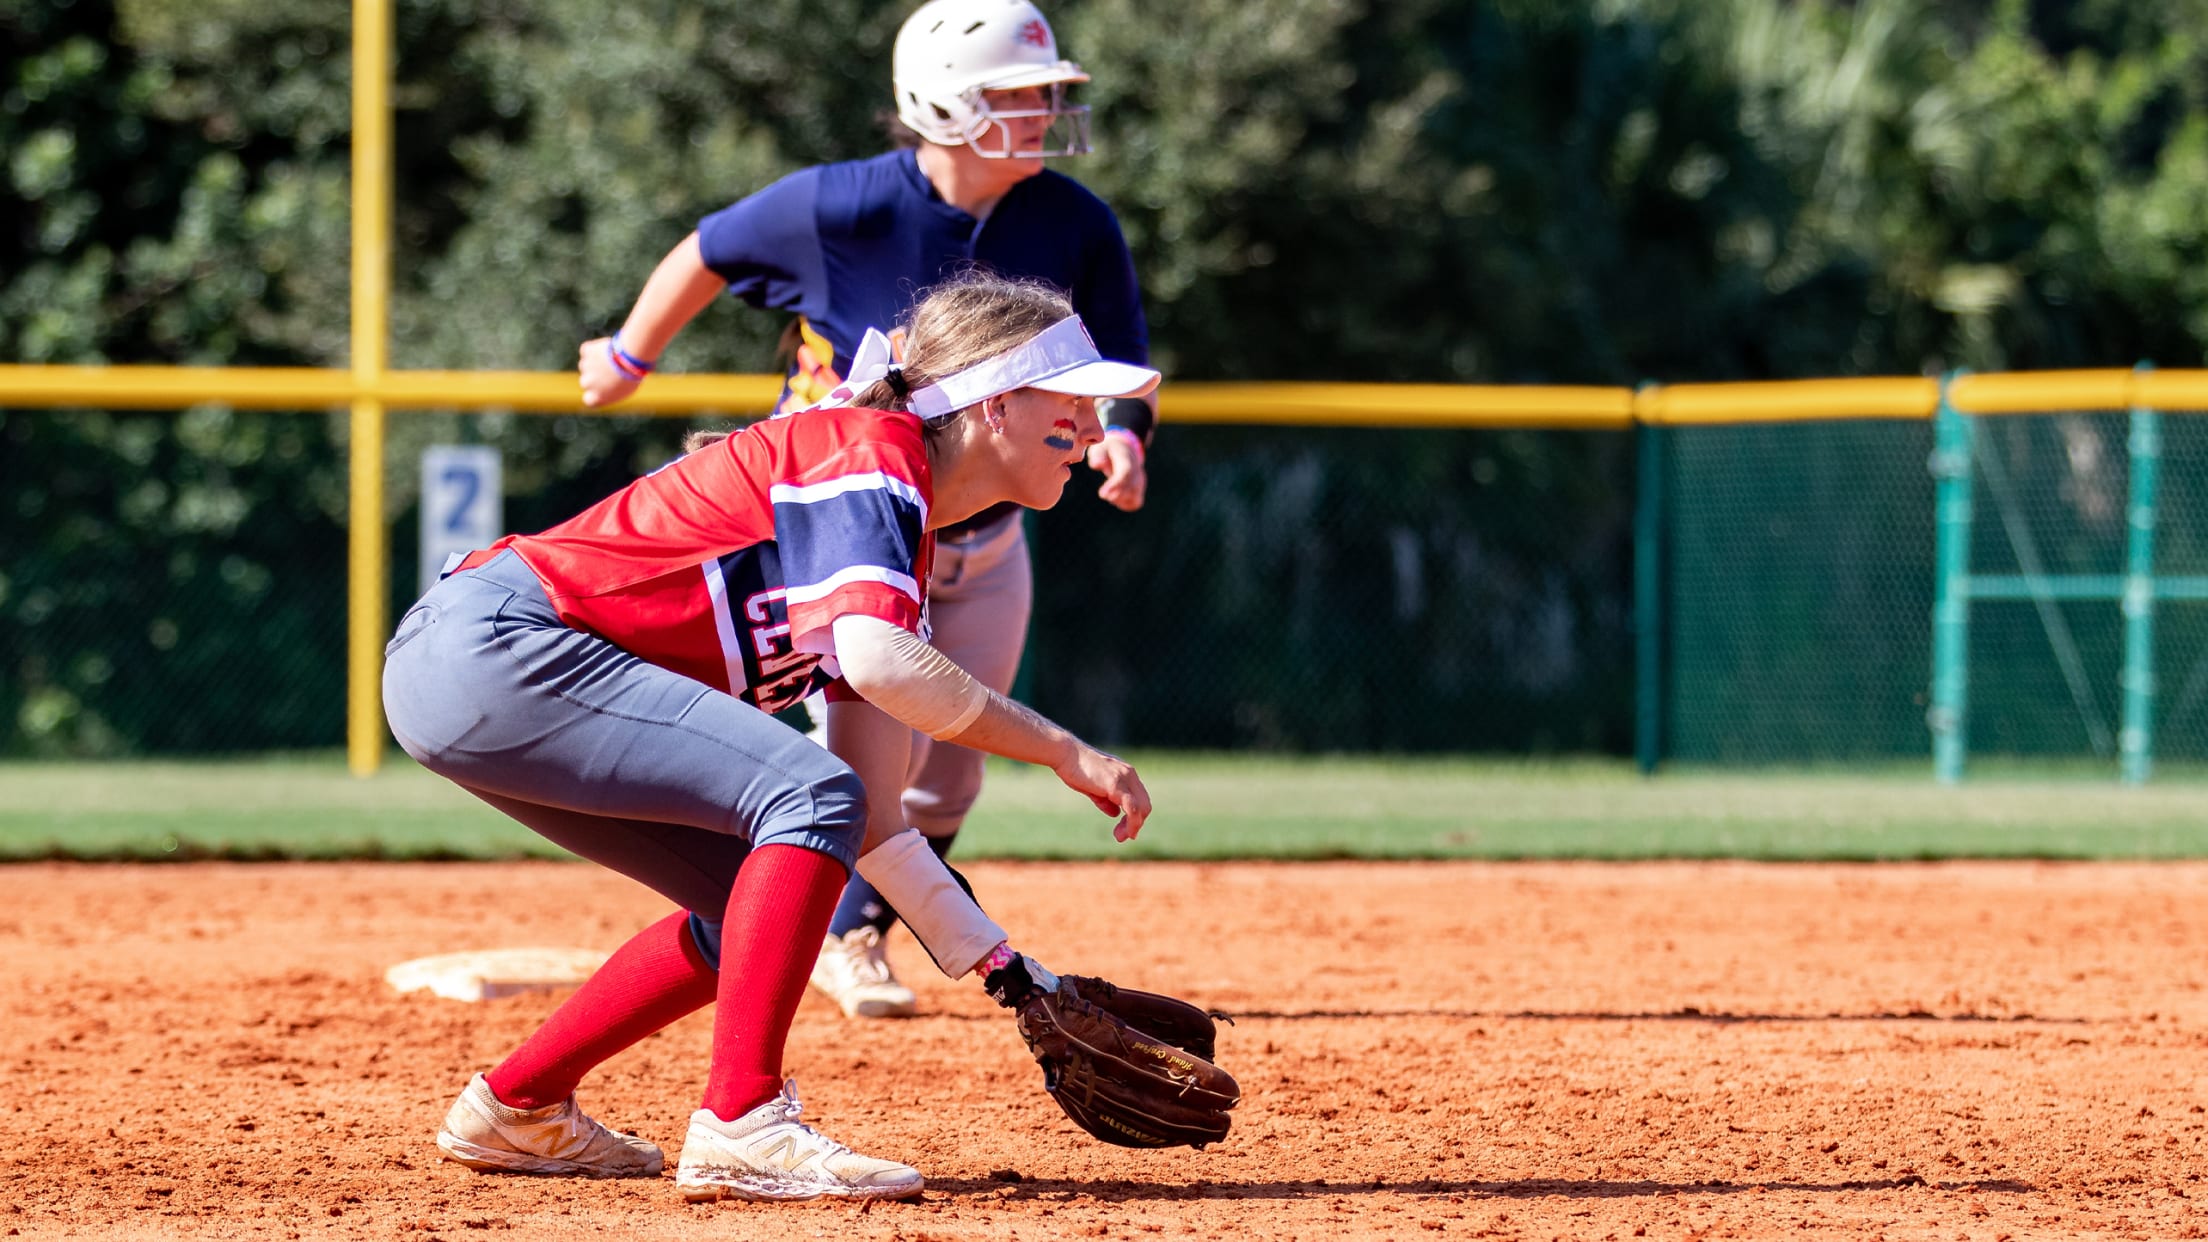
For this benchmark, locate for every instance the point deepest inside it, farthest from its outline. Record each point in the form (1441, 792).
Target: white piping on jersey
(724, 624)
(828, 489)
(853, 573)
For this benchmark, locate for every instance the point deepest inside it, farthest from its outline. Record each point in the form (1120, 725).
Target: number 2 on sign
(468, 483)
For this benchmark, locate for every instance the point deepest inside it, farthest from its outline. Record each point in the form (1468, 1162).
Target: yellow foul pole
(368, 573)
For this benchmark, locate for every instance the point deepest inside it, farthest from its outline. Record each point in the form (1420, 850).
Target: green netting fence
(1797, 591)
(175, 584)
(1803, 591)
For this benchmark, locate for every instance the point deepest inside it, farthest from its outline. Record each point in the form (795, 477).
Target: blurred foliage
(1596, 191)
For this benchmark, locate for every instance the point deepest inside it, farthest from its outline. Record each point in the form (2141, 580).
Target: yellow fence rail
(1582, 408)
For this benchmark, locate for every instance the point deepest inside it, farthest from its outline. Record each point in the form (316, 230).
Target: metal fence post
(368, 573)
(2135, 744)
(1648, 597)
(1949, 713)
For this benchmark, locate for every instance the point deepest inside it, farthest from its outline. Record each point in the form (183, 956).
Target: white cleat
(490, 1137)
(854, 972)
(768, 1155)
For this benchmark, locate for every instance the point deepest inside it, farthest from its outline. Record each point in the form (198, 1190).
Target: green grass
(1208, 806)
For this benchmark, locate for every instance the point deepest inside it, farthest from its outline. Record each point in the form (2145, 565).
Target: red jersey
(729, 564)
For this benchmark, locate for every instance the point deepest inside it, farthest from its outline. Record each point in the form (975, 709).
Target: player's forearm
(680, 287)
(918, 685)
(921, 687)
(1016, 731)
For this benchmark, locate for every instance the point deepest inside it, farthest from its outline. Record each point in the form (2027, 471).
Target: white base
(487, 974)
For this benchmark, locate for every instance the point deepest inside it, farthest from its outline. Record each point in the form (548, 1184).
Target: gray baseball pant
(638, 769)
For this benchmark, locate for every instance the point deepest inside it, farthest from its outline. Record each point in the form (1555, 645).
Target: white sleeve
(888, 666)
(948, 923)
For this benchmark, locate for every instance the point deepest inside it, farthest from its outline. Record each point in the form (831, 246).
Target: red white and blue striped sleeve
(850, 531)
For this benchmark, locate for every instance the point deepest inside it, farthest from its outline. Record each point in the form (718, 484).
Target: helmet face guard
(1067, 133)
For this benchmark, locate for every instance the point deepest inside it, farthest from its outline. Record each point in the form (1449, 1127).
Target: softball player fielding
(980, 85)
(609, 683)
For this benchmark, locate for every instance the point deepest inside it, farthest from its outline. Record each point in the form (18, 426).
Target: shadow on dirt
(1689, 1014)
(1114, 1191)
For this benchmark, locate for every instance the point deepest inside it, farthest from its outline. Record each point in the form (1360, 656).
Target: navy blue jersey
(851, 246)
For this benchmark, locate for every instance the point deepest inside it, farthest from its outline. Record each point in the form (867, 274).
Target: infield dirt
(1592, 1051)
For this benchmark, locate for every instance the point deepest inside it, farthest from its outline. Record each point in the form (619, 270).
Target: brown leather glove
(1126, 1084)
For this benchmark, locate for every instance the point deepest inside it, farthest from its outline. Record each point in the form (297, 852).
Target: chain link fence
(1797, 591)
(1352, 590)
(170, 583)
(1802, 570)
(176, 584)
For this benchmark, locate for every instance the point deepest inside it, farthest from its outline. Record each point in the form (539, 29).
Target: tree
(1314, 189)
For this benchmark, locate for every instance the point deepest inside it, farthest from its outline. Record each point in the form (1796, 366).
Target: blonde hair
(961, 322)
(967, 320)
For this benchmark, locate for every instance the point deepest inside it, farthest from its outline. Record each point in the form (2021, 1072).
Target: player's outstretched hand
(1111, 784)
(1126, 481)
(603, 382)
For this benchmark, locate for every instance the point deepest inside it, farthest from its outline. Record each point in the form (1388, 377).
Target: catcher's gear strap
(948, 922)
(891, 668)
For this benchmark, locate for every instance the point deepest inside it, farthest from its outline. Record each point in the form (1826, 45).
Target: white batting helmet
(950, 51)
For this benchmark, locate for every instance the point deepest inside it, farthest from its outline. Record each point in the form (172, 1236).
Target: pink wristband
(1128, 433)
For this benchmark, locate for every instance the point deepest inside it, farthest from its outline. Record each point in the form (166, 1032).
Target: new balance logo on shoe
(783, 1154)
(484, 1133)
(768, 1154)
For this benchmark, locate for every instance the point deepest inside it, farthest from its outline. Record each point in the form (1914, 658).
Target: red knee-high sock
(649, 982)
(777, 915)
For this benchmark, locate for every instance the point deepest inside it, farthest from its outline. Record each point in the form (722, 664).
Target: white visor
(1061, 358)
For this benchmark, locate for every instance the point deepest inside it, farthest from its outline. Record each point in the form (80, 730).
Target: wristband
(1132, 413)
(1128, 434)
(625, 362)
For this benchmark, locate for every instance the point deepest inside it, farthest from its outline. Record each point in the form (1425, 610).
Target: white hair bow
(873, 363)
